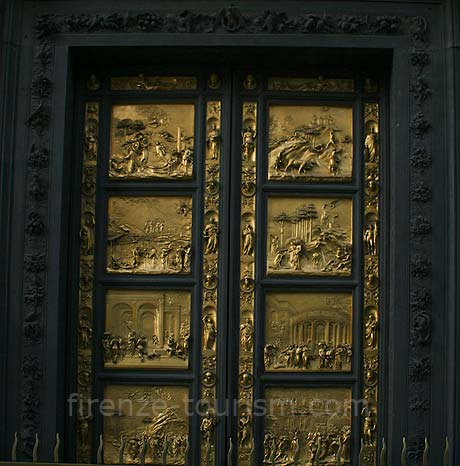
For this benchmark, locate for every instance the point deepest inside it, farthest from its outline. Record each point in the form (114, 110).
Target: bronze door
(229, 235)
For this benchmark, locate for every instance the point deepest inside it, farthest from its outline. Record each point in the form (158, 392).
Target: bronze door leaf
(230, 256)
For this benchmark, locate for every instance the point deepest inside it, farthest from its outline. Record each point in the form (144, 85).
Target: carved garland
(227, 20)
(35, 246)
(421, 226)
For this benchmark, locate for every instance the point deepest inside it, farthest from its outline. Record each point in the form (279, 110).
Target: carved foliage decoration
(229, 20)
(421, 227)
(35, 249)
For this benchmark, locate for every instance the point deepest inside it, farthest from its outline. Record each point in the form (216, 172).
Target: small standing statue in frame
(213, 141)
(249, 142)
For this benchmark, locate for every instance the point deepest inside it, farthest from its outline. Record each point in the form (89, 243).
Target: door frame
(410, 188)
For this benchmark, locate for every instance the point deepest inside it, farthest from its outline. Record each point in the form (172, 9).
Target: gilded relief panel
(146, 422)
(319, 84)
(147, 329)
(310, 143)
(150, 235)
(310, 426)
(153, 83)
(309, 236)
(308, 332)
(152, 141)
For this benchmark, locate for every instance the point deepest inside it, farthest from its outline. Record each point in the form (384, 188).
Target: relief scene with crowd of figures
(311, 236)
(150, 235)
(310, 143)
(308, 332)
(147, 423)
(152, 141)
(147, 329)
(307, 426)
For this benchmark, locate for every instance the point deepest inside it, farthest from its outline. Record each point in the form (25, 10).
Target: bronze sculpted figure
(211, 234)
(213, 141)
(248, 240)
(209, 332)
(247, 333)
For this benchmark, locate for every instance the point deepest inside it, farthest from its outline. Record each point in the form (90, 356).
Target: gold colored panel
(152, 141)
(308, 143)
(247, 284)
(307, 426)
(153, 83)
(150, 420)
(209, 318)
(311, 84)
(309, 235)
(149, 235)
(308, 332)
(370, 237)
(147, 329)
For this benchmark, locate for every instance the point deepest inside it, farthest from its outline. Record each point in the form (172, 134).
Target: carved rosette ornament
(85, 293)
(247, 283)
(371, 248)
(210, 279)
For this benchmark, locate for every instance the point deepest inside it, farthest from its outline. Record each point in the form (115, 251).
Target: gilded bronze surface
(150, 235)
(153, 83)
(152, 141)
(371, 230)
(309, 235)
(308, 143)
(149, 420)
(308, 332)
(211, 233)
(307, 426)
(147, 329)
(86, 281)
(319, 84)
(247, 282)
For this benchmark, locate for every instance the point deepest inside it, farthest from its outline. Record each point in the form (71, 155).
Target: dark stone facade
(40, 52)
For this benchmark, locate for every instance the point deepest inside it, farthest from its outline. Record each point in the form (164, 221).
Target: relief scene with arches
(310, 143)
(147, 329)
(311, 236)
(308, 331)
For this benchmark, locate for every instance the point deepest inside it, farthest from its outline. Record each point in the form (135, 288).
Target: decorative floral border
(421, 247)
(229, 20)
